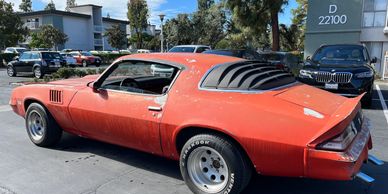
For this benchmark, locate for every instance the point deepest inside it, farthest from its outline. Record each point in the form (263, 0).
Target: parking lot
(79, 165)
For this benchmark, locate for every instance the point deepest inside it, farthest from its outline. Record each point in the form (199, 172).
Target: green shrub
(108, 58)
(5, 58)
(101, 70)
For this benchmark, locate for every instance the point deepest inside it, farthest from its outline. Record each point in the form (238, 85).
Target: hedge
(108, 58)
(5, 58)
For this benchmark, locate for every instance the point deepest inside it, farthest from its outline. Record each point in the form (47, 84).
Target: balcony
(97, 28)
(32, 25)
(97, 41)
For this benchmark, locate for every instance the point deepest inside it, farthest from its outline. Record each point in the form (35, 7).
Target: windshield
(20, 50)
(51, 55)
(182, 50)
(86, 54)
(339, 54)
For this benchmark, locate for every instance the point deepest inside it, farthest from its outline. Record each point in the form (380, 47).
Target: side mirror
(95, 86)
(308, 58)
(16, 58)
(374, 60)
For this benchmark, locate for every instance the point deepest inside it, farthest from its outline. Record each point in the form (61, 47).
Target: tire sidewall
(13, 70)
(226, 153)
(41, 73)
(42, 112)
(84, 63)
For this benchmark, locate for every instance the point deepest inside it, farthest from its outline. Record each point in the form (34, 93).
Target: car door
(22, 64)
(119, 113)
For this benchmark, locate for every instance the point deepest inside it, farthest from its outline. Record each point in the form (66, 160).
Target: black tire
(11, 71)
(84, 63)
(37, 71)
(239, 169)
(51, 134)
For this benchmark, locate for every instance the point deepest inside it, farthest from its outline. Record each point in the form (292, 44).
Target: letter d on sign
(333, 8)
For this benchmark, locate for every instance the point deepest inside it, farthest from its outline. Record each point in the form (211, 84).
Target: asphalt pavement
(79, 165)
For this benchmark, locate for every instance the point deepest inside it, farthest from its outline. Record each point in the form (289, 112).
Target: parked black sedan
(37, 62)
(342, 69)
(282, 60)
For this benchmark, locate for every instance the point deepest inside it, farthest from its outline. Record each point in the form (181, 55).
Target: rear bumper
(345, 165)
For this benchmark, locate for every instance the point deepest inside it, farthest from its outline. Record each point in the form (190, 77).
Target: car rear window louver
(56, 96)
(247, 75)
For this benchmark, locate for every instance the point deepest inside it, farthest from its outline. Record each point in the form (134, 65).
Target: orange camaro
(221, 117)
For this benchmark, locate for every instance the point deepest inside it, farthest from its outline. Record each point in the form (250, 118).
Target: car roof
(190, 60)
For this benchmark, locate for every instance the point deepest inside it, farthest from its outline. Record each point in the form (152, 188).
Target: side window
(25, 56)
(35, 56)
(140, 77)
(200, 49)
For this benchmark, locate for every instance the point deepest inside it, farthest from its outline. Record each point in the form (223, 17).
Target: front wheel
(211, 164)
(41, 126)
(84, 63)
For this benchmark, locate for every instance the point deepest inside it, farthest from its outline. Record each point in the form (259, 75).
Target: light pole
(161, 33)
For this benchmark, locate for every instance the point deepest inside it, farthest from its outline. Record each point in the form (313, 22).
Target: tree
(299, 19)
(116, 37)
(48, 37)
(50, 6)
(26, 6)
(11, 26)
(70, 3)
(289, 37)
(138, 17)
(257, 14)
(205, 4)
(179, 30)
(209, 23)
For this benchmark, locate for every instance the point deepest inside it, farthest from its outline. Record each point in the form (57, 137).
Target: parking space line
(5, 108)
(383, 104)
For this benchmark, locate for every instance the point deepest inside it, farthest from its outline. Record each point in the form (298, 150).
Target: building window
(380, 5)
(369, 5)
(368, 19)
(379, 20)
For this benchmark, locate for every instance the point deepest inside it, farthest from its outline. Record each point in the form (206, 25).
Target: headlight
(305, 74)
(366, 74)
(342, 141)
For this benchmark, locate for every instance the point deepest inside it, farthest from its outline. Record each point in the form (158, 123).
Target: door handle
(154, 108)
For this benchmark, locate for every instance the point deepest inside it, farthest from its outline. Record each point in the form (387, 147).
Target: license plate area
(331, 86)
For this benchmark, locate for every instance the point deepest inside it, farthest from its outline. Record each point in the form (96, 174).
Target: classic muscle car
(223, 118)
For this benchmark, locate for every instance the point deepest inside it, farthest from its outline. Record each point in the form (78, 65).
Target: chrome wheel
(37, 72)
(36, 125)
(208, 169)
(84, 63)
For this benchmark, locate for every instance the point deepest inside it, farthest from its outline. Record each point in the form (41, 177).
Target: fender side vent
(56, 96)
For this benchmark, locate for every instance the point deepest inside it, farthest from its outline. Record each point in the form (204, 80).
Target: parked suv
(15, 50)
(37, 62)
(282, 60)
(343, 69)
(189, 49)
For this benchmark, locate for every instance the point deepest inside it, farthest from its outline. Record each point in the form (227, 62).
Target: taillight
(342, 141)
(280, 66)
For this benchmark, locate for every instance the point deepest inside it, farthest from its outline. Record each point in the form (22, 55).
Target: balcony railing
(97, 28)
(32, 25)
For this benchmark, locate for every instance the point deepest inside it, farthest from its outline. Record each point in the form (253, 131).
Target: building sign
(334, 15)
(332, 18)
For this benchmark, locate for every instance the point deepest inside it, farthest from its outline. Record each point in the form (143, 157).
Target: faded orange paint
(278, 129)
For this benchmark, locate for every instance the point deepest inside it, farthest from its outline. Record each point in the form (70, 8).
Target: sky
(118, 8)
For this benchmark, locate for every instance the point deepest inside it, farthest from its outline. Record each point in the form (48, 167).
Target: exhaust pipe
(365, 178)
(374, 160)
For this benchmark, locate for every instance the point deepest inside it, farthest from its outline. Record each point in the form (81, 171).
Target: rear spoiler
(338, 121)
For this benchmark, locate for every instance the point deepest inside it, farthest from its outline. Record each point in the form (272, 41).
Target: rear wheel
(41, 126)
(11, 71)
(211, 164)
(38, 72)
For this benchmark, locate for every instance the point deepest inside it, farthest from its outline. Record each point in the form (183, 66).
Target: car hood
(338, 67)
(76, 82)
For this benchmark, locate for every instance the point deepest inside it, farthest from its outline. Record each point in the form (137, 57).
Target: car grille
(327, 77)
